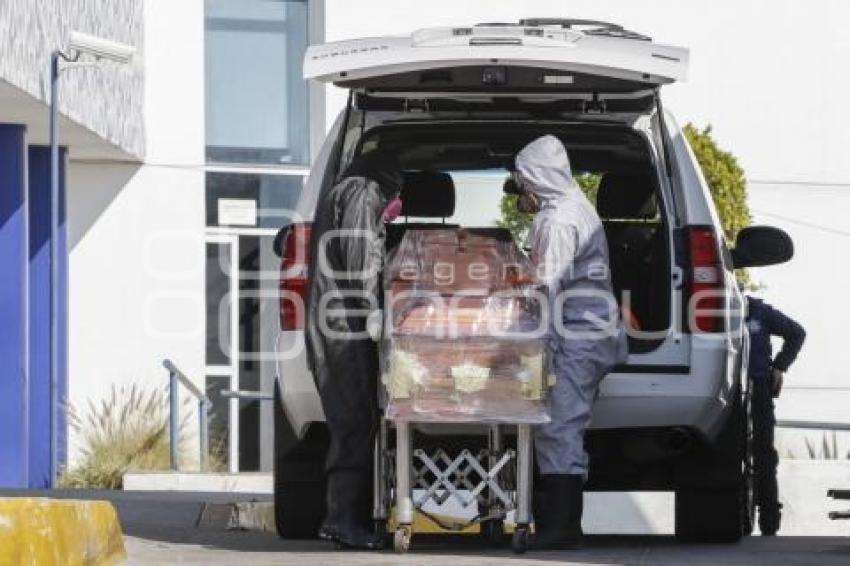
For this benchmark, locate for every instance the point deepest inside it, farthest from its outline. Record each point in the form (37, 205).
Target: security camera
(100, 48)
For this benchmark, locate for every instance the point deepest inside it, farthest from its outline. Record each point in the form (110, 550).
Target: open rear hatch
(534, 74)
(532, 57)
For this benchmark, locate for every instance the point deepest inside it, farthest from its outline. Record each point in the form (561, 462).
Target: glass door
(222, 346)
(242, 278)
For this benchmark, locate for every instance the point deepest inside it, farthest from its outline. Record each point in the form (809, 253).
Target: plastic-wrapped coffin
(467, 341)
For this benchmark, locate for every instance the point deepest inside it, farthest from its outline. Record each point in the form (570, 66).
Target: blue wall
(13, 307)
(25, 418)
(39, 326)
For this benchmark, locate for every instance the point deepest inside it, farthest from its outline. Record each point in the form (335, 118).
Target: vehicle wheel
(493, 530)
(724, 513)
(519, 541)
(401, 539)
(299, 478)
(709, 515)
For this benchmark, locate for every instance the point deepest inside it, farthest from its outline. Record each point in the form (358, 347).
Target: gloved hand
(375, 325)
(778, 379)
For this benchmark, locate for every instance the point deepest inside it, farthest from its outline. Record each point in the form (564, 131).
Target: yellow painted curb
(42, 531)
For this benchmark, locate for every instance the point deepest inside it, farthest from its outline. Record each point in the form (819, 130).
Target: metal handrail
(813, 425)
(175, 379)
(247, 395)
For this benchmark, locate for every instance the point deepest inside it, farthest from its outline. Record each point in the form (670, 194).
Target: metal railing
(175, 378)
(247, 395)
(813, 425)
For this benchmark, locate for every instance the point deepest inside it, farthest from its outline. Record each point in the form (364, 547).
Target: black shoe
(359, 538)
(558, 507)
(770, 517)
(329, 531)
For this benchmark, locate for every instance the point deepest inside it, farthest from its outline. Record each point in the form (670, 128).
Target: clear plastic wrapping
(465, 340)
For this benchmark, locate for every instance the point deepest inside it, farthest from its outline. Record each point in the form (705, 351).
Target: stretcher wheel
(401, 539)
(493, 531)
(519, 542)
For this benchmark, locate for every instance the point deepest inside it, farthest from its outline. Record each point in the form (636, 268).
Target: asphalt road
(194, 546)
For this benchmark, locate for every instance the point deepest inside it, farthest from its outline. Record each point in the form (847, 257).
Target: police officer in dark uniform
(768, 372)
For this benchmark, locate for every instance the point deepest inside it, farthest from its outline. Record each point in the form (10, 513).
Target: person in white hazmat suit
(587, 340)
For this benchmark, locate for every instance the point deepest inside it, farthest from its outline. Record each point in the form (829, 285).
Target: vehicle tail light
(295, 261)
(706, 297)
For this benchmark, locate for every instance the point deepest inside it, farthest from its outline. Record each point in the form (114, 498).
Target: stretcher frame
(497, 479)
(486, 478)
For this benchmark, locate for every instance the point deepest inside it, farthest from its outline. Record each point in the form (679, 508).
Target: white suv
(456, 104)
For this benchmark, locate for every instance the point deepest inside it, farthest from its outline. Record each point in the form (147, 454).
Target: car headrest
(625, 196)
(429, 194)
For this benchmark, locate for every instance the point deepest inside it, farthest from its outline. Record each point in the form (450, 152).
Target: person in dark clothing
(768, 372)
(347, 247)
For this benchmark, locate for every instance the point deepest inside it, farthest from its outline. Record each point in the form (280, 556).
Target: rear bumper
(697, 400)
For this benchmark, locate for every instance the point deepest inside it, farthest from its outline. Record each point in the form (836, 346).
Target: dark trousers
(347, 386)
(765, 458)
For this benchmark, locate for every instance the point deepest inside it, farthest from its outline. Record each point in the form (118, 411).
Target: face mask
(393, 209)
(527, 203)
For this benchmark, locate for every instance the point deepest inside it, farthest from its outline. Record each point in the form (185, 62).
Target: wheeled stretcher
(496, 481)
(463, 357)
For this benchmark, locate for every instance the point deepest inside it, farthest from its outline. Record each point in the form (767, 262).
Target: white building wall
(136, 230)
(762, 72)
(106, 100)
(810, 288)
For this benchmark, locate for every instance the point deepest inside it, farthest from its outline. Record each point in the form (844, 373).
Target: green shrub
(128, 431)
(828, 448)
(725, 179)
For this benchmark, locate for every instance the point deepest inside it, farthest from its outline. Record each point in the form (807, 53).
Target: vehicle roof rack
(590, 27)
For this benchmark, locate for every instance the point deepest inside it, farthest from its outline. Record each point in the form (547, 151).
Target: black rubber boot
(349, 519)
(337, 486)
(358, 537)
(770, 517)
(558, 507)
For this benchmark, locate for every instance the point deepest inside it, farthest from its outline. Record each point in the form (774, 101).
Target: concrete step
(244, 482)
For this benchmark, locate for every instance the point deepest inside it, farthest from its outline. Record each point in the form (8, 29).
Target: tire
(709, 515)
(299, 478)
(520, 539)
(722, 513)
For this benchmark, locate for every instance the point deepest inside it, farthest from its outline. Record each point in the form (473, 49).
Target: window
(252, 200)
(256, 98)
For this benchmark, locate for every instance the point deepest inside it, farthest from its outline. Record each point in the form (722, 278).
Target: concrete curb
(59, 531)
(246, 515)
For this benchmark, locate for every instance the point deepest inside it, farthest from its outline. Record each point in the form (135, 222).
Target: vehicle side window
(726, 254)
(351, 141)
(322, 171)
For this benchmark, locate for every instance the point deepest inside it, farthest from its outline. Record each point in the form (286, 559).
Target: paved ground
(159, 534)
(160, 528)
(231, 548)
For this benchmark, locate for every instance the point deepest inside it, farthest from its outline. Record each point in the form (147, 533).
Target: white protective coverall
(568, 246)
